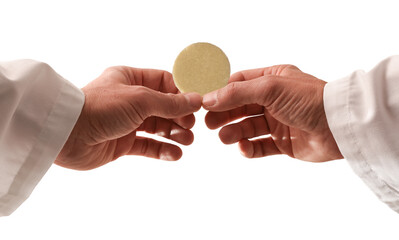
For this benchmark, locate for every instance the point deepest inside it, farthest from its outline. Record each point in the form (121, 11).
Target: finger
(259, 72)
(237, 94)
(158, 80)
(123, 145)
(186, 122)
(146, 102)
(248, 128)
(217, 119)
(167, 129)
(258, 148)
(148, 147)
(250, 74)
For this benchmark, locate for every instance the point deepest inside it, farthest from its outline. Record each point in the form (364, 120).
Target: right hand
(281, 101)
(119, 103)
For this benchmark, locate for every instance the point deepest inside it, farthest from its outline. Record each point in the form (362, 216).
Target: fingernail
(209, 99)
(194, 99)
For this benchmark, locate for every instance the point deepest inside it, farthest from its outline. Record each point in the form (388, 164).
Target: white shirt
(39, 109)
(363, 114)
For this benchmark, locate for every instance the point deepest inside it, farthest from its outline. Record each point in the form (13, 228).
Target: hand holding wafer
(281, 105)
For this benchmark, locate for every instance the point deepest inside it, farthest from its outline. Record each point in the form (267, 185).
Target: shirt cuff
(344, 125)
(64, 113)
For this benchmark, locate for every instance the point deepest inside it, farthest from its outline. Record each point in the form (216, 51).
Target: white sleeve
(363, 114)
(38, 109)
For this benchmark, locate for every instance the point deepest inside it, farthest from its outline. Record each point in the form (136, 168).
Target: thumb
(166, 105)
(237, 94)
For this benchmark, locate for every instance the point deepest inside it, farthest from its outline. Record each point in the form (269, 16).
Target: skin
(281, 105)
(122, 102)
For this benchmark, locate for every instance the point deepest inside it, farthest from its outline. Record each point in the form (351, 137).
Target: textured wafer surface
(202, 68)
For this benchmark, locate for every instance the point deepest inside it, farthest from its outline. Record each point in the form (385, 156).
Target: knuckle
(284, 69)
(231, 90)
(115, 70)
(269, 85)
(288, 68)
(111, 69)
(110, 72)
(236, 77)
(292, 67)
(139, 101)
(142, 92)
(267, 90)
(174, 107)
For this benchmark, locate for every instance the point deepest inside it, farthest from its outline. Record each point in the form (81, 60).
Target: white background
(212, 192)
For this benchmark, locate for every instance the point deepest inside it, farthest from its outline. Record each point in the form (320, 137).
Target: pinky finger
(151, 148)
(258, 148)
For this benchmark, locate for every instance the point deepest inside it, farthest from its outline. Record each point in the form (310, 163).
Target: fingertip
(194, 100)
(246, 148)
(227, 135)
(211, 121)
(235, 77)
(209, 100)
(172, 153)
(191, 121)
(189, 138)
(186, 122)
(181, 135)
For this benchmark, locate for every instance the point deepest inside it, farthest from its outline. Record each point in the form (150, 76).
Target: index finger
(249, 74)
(154, 79)
(278, 70)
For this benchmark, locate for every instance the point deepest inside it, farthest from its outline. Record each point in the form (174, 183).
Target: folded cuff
(344, 125)
(55, 132)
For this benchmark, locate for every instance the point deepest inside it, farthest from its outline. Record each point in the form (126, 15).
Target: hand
(121, 102)
(281, 101)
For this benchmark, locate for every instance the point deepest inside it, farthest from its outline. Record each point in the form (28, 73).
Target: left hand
(280, 103)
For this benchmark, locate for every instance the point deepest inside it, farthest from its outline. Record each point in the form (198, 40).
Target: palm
(297, 143)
